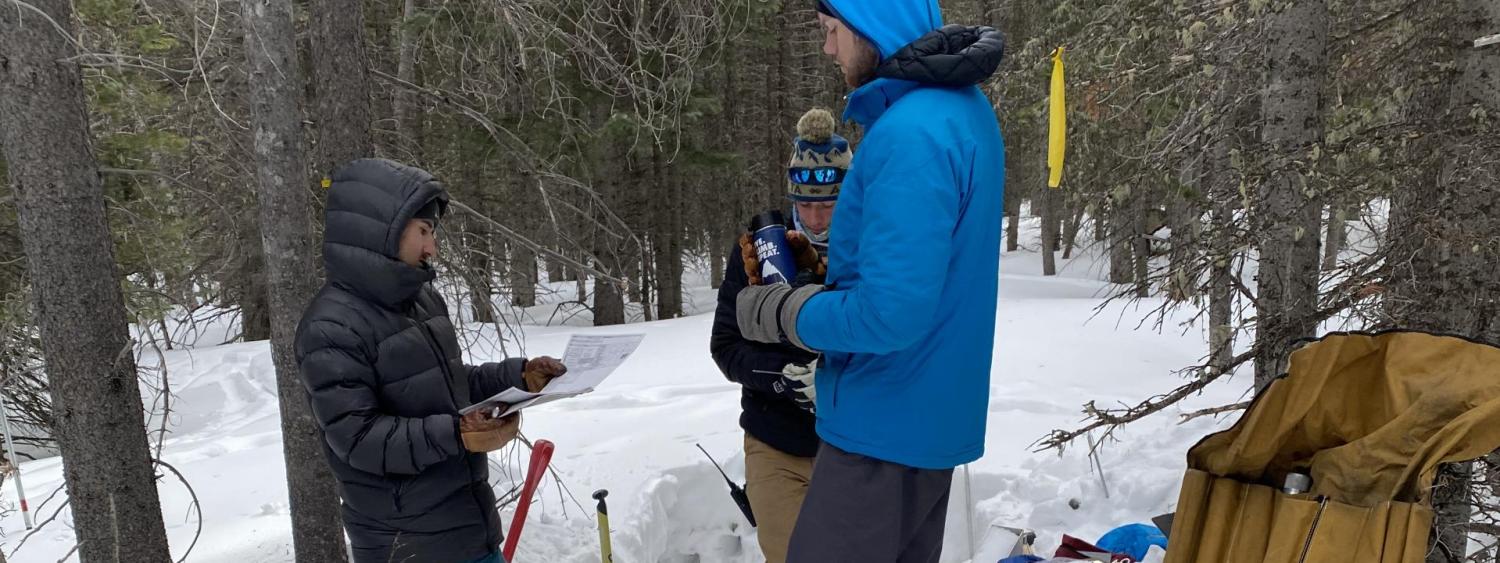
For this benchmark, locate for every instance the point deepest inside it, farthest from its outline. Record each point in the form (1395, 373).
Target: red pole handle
(541, 455)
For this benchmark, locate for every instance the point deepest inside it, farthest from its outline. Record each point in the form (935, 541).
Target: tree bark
(521, 262)
(1049, 204)
(1184, 217)
(1101, 223)
(405, 105)
(341, 84)
(249, 286)
(635, 273)
(1070, 231)
(78, 306)
(1013, 225)
(1221, 290)
(1338, 232)
(668, 241)
(717, 241)
(1140, 246)
(1297, 68)
(1442, 246)
(286, 234)
(481, 269)
(556, 270)
(1122, 235)
(523, 276)
(609, 304)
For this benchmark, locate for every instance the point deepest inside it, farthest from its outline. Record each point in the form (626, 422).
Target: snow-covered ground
(635, 436)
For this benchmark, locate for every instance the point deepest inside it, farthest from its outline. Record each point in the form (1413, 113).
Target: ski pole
(541, 455)
(735, 491)
(15, 463)
(604, 550)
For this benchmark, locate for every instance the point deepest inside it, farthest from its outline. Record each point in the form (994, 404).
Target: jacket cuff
(792, 307)
(453, 444)
(513, 373)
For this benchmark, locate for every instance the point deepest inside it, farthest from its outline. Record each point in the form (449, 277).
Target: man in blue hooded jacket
(906, 320)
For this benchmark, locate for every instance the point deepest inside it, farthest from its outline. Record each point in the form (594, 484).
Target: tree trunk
(250, 293)
(523, 276)
(1184, 217)
(405, 104)
(581, 283)
(668, 241)
(341, 84)
(635, 272)
(1442, 250)
(1140, 246)
(1062, 208)
(1101, 223)
(609, 304)
(1049, 204)
(1221, 289)
(78, 306)
(1013, 225)
(647, 275)
(1338, 229)
(573, 273)
(716, 259)
(286, 233)
(1070, 231)
(556, 270)
(1292, 106)
(481, 289)
(1122, 235)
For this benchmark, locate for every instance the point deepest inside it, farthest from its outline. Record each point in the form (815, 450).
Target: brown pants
(776, 484)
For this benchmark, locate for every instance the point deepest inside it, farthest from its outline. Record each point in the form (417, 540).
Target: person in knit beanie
(819, 162)
(781, 437)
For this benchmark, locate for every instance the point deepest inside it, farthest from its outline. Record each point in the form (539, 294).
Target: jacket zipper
(1307, 546)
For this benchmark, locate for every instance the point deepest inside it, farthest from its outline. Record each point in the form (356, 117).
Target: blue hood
(889, 24)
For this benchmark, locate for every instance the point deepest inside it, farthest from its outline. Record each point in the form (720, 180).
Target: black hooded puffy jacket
(385, 375)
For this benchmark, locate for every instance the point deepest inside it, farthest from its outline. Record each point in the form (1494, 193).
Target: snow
(1056, 348)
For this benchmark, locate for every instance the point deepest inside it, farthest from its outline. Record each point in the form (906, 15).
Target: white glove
(799, 380)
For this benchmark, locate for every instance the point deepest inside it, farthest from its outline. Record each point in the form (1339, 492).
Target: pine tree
(79, 307)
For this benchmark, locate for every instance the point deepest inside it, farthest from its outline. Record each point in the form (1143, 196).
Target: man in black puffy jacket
(383, 369)
(780, 434)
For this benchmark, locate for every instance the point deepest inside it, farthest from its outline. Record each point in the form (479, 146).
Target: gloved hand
(482, 434)
(541, 370)
(797, 384)
(768, 313)
(806, 256)
(749, 259)
(803, 253)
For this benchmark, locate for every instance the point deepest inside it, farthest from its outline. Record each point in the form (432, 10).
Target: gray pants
(861, 509)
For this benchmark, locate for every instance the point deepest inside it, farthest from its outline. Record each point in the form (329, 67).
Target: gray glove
(768, 313)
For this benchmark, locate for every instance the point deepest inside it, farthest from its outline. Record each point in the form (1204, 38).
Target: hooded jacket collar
(915, 50)
(370, 203)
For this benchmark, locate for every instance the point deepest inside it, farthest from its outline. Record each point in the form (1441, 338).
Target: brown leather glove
(806, 256)
(482, 434)
(749, 259)
(541, 370)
